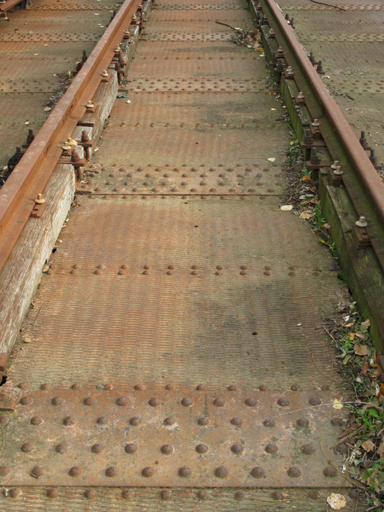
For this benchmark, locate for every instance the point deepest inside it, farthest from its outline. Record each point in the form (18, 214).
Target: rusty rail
(6, 6)
(34, 169)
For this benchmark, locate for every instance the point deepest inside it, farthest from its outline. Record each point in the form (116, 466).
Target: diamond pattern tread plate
(197, 288)
(188, 437)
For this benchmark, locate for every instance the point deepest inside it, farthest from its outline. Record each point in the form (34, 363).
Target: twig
(332, 464)
(313, 359)
(347, 436)
(329, 334)
(282, 501)
(357, 501)
(328, 5)
(226, 25)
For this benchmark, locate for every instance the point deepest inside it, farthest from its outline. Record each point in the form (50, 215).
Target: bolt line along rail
(37, 164)
(364, 167)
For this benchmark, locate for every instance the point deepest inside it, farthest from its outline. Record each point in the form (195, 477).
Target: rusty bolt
(122, 401)
(237, 448)
(271, 448)
(148, 472)
(57, 400)
(166, 449)
(97, 448)
(4, 470)
(37, 471)
(187, 402)
(75, 471)
(26, 400)
(166, 494)
(39, 199)
(105, 74)
(251, 402)
(90, 494)
(27, 447)
(203, 421)
(330, 471)
(201, 448)
(154, 402)
(302, 422)
(219, 402)
(169, 421)
(52, 493)
(111, 471)
(61, 448)
(184, 472)
(300, 96)
(89, 104)
(221, 472)
(362, 223)
(294, 472)
(135, 421)
(69, 421)
(130, 448)
(15, 493)
(269, 423)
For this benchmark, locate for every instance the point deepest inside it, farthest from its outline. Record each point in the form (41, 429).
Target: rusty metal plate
(185, 289)
(240, 17)
(183, 180)
(172, 36)
(192, 27)
(185, 84)
(185, 437)
(207, 5)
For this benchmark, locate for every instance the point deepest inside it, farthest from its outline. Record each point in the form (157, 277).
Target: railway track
(173, 355)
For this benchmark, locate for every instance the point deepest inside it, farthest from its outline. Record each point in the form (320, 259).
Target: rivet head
(154, 402)
(237, 422)
(232, 387)
(89, 401)
(127, 494)
(239, 495)
(277, 495)
(269, 423)
(353, 494)
(69, 421)
(237, 448)
(307, 449)
(75, 386)
(169, 421)
(263, 388)
(15, 493)
(75, 471)
(97, 448)
(283, 402)
(294, 387)
(130, 448)
(187, 402)
(251, 402)
(314, 401)
(294, 472)
(148, 472)
(258, 472)
(315, 495)
(27, 447)
(336, 422)
(330, 471)
(202, 495)
(37, 471)
(271, 448)
(200, 387)
(169, 387)
(135, 421)
(166, 449)
(201, 448)
(26, 400)
(219, 402)
(52, 493)
(221, 472)
(4, 470)
(111, 471)
(57, 400)
(23, 385)
(45, 387)
(139, 387)
(61, 448)
(108, 387)
(184, 472)
(122, 401)
(302, 422)
(203, 421)
(90, 494)
(166, 494)
(102, 420)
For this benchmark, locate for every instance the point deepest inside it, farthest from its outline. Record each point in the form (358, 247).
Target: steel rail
(6, 6)
(361, 162)
(37, 164)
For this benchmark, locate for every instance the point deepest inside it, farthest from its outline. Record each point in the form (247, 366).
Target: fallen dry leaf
(305, 215)
(336, 501)
(337, 404)
(367, 323)
(364, 366)
(286, 207)
(271, 159)
(361, 350)
(380, 450)
(352, 336)
(360, 335)
(368, 446)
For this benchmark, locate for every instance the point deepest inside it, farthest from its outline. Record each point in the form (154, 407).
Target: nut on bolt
(39, 199)
(362, 223)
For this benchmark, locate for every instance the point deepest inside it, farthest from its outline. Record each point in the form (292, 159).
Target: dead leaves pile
(362, 439)
(250, 39)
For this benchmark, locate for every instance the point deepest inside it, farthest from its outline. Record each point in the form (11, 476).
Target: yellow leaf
(352, 336)
(337, 404)
(271, 159)
(305, 215)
